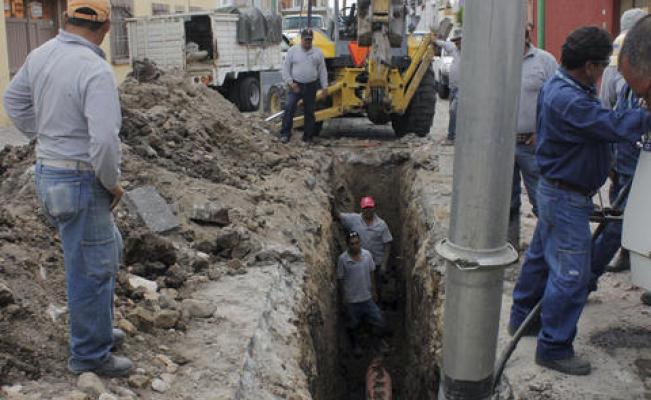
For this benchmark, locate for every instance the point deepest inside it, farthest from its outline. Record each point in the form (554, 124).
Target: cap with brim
(102, 9)
(307, 33)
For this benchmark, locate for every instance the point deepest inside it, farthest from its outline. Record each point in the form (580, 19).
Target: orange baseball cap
(102, 9)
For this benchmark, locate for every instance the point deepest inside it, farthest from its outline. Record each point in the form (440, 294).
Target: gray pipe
(477, 252)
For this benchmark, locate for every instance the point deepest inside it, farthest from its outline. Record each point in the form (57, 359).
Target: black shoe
(284, 139)
(646, 298)
(532, 330)
(308, 139)
(623, 263)
(113, 367)
(574, 365)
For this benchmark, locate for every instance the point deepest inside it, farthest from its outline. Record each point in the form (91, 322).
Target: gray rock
(74, 395)
(90, 383)
(160, 386)
(197, 309)
(107, 396)
(138, 381)
(152, 209)
(143, 319)
(310, 182)
(210, 213)
(6, 295)
(166, 319)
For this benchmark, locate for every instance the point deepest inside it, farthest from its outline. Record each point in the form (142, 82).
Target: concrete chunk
(210, 213)
(152, 209)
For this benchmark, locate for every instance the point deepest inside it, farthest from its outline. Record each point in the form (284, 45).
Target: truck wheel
(420, 114)
(249, 94)
(275, 101)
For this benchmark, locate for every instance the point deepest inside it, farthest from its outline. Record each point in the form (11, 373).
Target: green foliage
(460, 16)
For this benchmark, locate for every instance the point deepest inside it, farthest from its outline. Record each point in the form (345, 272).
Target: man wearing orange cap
(374, 235)
(66, 96)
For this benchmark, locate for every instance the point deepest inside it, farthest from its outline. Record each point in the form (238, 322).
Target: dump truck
(236, 51)
(373, 71)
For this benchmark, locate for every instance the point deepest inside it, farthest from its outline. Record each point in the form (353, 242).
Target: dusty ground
(265, 281)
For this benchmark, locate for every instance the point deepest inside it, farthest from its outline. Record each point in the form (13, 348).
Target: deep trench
(342, 376)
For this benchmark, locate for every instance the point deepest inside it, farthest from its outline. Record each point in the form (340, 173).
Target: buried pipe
(378, 382)
(477, 250)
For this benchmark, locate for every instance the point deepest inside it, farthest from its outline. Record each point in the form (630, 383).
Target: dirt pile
(194, 148)
(192, 130)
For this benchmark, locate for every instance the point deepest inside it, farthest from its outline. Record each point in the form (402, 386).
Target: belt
(66, 164)
(522, 138)
(570, 187)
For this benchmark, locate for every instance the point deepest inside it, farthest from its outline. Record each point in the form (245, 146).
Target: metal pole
(477, 251)
(541, 24)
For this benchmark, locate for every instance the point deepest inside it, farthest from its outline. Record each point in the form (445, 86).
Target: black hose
(535, 311)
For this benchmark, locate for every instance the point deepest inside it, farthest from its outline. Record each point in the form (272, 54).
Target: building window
(179, 9)
(196, 9)
(160, 9)
(119, 34)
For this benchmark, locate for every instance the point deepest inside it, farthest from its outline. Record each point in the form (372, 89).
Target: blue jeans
(308, 94)
(525, 165)
(610, 240)
(365, 311)
(79, 207)
(556, 269)
(454, 104)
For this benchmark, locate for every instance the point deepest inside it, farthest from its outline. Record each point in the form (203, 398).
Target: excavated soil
(272, 328)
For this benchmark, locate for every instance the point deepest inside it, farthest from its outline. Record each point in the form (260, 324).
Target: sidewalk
(12, 137)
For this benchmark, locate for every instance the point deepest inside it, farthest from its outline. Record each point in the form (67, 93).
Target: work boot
(118, 337)
(284, 139)
(113, 367)
(574, 365)
(646, 298)
(623, 262)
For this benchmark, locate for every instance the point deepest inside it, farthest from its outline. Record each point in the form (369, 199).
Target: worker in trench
(574, 132)
(375, 237)
(537, 67)
(304, 71)
(355, 274)
(65, 94)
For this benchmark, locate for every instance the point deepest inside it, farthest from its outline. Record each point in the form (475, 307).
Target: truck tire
(249, 94)
(276, 98)
(420, 114)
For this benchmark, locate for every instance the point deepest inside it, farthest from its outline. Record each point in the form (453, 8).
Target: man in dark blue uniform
(573, 154)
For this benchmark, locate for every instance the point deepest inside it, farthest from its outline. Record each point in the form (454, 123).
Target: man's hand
(117, 193)
(532, 140)
(323, 94)
(295, 87)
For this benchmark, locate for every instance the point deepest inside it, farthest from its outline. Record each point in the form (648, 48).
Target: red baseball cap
(367, 202)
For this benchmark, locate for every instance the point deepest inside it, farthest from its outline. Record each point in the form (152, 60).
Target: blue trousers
(525, 166)
(308, 94)
(556, 269)
(79, 207)
(365, 311)
(610, 240)
(454, 104)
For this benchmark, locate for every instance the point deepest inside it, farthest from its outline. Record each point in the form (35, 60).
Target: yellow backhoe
(375, 68)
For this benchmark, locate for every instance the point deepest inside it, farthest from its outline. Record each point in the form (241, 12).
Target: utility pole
(476, 250)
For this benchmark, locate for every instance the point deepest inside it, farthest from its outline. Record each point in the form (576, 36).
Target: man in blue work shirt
(573, 135)
(66, 95)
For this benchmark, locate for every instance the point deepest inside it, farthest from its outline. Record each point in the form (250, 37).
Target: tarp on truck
(256, 27)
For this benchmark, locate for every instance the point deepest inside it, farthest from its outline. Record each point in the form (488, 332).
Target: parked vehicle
(442, 74)
(226, 51)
